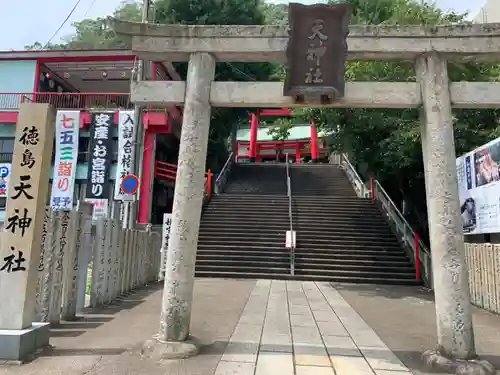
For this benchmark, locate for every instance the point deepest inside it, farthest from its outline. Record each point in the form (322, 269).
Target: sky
(27, 21)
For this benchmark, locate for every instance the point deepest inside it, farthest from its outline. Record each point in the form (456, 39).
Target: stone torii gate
(429, 47)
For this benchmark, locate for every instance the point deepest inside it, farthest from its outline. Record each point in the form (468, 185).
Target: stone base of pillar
(21, 345)
(314, 161)
(436, 361)
(252, 160)
(158, 350)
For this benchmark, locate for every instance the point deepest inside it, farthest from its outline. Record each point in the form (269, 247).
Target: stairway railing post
(292, 236)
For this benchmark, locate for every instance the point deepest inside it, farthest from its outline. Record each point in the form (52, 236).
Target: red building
(85, 81)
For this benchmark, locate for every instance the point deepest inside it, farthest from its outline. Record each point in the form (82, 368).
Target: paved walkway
(249, 327)
(304, 329)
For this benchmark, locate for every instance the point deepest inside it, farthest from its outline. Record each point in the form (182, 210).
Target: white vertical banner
(167, 223)
(66, 158)
(126, 148)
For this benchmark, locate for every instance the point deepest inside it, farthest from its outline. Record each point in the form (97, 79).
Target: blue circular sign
(4, 171)
(130, 184)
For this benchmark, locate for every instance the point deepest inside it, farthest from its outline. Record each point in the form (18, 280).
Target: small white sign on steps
(290, 239)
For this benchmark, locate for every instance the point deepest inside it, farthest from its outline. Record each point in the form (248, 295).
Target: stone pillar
(70, 266)
(21, 237)
(179, 279)
(455, 344)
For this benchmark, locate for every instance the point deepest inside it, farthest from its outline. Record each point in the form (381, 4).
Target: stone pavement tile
(306, 335)
(329, 329)
(299, 302)
(389, 372)
(241, 352)
(383, 359)
(311, 355)
(367, 339)
(302, 321)
(332, 329)
(244, 344)
(276, 343)
(300, 310)
(274, 364)
(235, 368)
(294, 285)
(350, 365)
(376, 353)
(314, 370)
(325, 316)
(341, 346)
(320, 307)
(255, 319)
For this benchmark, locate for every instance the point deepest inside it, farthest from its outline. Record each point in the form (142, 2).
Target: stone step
(271, 269)
(296, 207)
(316, 256)
(380, 239)
(299, 276)
(347, 259)
(317, 216)
(269, 232)
(377, 267)
(353, 247)
(249, 226)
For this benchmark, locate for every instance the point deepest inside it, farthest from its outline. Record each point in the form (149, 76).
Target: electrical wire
(89, 8)
(63, 23)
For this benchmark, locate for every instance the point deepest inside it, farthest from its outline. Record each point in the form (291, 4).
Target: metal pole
(139, 134)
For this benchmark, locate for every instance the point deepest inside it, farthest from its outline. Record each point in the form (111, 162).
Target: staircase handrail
(221, 180)
(289, 193)
(353, 176)
(416, 248)
(419, 251)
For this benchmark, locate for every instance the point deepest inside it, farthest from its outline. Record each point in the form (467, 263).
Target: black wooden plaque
(316, 51)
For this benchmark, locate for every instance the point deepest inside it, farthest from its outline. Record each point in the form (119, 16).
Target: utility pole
(139, 133)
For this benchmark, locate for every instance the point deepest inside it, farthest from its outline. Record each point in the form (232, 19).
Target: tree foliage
(280, 129)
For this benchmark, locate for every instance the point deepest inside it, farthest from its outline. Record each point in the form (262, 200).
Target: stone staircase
(242, 230)
(340, 237)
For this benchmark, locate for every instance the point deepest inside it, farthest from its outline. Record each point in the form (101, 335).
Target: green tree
(280, 129)
(219, 12)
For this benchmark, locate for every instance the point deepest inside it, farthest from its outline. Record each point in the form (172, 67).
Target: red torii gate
(285, 112)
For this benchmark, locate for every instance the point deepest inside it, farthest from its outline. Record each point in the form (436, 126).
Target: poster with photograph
(479, 189)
